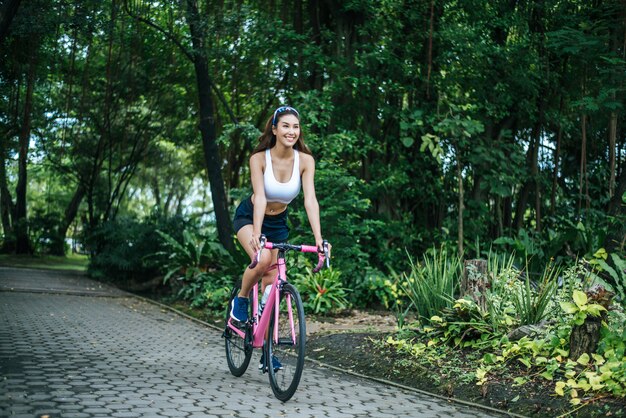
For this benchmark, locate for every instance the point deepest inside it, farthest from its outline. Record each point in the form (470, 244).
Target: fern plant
(201, 266)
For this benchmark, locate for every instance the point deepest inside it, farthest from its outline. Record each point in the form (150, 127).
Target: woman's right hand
(255, 244)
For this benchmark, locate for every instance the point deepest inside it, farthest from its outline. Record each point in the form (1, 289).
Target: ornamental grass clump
(532, 301)
(432, 284)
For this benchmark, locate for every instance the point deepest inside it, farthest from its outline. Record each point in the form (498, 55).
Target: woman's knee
(264, 262)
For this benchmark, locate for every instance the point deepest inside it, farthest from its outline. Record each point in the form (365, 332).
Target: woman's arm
(257, 162)
(310, 200)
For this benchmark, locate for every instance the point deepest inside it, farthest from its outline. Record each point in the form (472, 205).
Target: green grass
(74, 262)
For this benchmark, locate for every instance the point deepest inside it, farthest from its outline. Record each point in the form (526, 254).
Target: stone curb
(338, 369)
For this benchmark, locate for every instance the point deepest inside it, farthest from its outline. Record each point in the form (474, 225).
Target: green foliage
(533, 305)
(432, 284)
(113, 123)
(322, 292)
(544, 354)
(463, 325)
(378, 291)
(45, 236)
(202, 267)
(119, 248)
(581, 308)
(614, 274)
(343, 210)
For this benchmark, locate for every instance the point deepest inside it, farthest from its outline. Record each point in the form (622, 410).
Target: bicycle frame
(260, 325)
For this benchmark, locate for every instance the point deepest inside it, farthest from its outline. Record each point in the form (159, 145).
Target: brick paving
(71, 347)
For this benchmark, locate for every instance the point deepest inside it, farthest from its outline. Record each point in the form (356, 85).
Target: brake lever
(257, 256)
(326, 253)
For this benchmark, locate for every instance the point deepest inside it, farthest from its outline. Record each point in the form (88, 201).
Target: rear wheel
(289, 350)
(238, 350)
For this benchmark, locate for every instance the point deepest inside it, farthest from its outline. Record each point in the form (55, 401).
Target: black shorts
(274, 227)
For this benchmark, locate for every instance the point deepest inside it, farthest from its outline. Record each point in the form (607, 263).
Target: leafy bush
(614, 274)
(321, 292)
(376, 290)
(119, 248)
(343, 208)
(44, 232)
(201, 268)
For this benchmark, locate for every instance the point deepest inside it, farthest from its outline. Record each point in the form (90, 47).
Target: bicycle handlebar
(323, 254)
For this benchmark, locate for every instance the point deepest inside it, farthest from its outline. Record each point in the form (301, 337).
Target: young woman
(279, 166)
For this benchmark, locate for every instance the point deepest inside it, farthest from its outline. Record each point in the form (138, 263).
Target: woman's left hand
(320, 246)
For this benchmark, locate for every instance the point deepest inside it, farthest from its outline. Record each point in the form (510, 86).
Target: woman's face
(287, 130)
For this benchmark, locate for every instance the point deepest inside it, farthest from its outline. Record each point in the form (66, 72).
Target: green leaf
(568, 307)
(583, 360)
(595, 309)
(407, 141)
(601, 253)
(580, 298)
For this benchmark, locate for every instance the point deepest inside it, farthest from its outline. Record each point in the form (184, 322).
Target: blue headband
(280, 110)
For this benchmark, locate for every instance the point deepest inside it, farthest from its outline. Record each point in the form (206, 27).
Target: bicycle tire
(285, 381)
(238, 350)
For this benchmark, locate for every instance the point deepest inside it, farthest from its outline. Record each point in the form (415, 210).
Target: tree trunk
(7, 12)
(555, 174)
(584, 338)
(615, 239)
(583, 163)
(612, 142)
(459, 173)
(207, 128)
(20, 223)
(532, 160)
(70, 214)
(6, 204)
(475, 282)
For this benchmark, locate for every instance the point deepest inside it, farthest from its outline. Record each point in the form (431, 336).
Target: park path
(72, 347)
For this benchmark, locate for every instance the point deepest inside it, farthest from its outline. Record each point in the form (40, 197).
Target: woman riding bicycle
(279, 164)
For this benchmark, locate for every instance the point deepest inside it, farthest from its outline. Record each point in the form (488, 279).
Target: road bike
(279, 329)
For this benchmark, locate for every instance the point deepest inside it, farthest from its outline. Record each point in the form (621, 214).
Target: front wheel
(238, 350)
(286, 354)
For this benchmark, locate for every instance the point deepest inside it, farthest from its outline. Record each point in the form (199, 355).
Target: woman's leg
(251, 276)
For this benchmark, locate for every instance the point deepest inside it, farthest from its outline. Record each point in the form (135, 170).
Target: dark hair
(268, 139)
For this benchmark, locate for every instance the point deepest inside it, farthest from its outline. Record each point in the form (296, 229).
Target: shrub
(431, 285)
(200, 267)
(44, 233)
(321, 292)
(119, 248)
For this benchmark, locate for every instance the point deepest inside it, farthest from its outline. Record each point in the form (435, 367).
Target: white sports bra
(276, 191)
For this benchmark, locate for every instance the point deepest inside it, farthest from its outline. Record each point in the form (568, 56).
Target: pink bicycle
(283, 315)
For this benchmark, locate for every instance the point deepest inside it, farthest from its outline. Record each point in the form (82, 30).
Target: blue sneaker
(239, 309)
(277, 365)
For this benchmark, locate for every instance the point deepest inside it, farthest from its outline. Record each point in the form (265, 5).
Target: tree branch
(169, 36)
(187, 53)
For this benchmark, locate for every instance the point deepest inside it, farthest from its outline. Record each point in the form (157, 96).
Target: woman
(279, 166)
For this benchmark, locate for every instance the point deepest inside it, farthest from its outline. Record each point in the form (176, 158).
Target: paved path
(71, 347)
